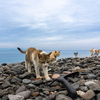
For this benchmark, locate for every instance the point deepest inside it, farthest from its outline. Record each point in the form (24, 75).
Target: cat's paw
(48, 78)
(38, 77)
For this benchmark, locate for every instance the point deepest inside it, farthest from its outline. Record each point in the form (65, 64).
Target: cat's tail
(21, 50)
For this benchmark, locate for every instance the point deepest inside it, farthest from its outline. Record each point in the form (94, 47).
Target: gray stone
(6, 84)
(15, 97)
(25, 75)
(64, 92)
(37, 82)
(92, 85)
(26, 81)
(25, 94)
(31, 86)
(84, 88)
(20, 89)
(62, 97)
(5, 97)
(15, 80)
(52, 96)
(98, 96)
(3, 92)
(91, 76)
(75, 85)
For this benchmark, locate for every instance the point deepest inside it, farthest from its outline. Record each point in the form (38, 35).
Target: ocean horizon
(14, 56)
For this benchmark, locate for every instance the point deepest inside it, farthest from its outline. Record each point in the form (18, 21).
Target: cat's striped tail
(21, 50)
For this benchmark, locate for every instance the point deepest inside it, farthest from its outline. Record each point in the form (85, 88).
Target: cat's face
(44, 59)
(55, 55)
(76, 54)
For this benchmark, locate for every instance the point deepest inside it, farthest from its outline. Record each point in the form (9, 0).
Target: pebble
(26, 81)
(15, 97)
(21, 89)
(17, 83)
(25, 94)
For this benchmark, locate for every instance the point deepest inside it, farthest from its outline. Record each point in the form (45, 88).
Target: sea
(10, 56)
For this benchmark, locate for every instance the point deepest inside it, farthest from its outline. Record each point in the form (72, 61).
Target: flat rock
(52, 96)
(29, 86)
(21, 89)
(62, 97)
(25, 94)
(88, 95)
(92, 85)
(3, 92)
(98, 96)
(75, 85)
(15, 80)
(37, 82)
(26, 81)
(15, 97)
(25, 75)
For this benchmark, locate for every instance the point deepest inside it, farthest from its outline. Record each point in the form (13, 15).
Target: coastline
(17, 83)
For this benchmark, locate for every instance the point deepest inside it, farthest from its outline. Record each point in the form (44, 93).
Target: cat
(54, 55)
(94, 52)
(76, 54)
(38, 58)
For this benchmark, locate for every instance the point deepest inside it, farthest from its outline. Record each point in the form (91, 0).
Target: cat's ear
(39, 55)
(49, 54)
(55, 51)
(59, 51)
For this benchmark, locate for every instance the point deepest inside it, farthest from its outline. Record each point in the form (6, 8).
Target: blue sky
(50, 24)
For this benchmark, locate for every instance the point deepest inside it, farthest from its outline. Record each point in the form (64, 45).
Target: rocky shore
(17, 84)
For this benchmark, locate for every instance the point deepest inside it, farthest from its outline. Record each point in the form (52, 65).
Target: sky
(50, 24)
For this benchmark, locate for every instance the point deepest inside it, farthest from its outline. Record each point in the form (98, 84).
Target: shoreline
(16, 82)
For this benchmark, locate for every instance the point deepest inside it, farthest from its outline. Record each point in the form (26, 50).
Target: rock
(81, 93)
(52, 96)
(46, 92)
(11, 72)
(56, 88)
(3, 64)
(91, 76)
(25, 94)
(83, 88)
(6, 84)
(98, 96)
(92, 85)
(89, 95)
(64, 92)
(26, 81)
(3, 92)
(15, 80)
(62, 97)
(29, 86)
(37, 82)
(35, 94)
(55, 76)
(5, 97)
(15, 97)
(75, 85)
(21, 89)
(67, 72)
(26, 75)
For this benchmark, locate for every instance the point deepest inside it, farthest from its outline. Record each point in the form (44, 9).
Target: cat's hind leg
(26, 64)
(29, 67)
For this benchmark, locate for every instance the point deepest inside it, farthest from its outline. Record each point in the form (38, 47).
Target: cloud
(50, 24)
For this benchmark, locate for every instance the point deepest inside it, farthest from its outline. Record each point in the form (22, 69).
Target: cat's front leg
(37, 71)
(45, 70)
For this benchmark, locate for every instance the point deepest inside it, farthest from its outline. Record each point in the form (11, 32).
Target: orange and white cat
(94, 52)
(38, 58)
(54, 55)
